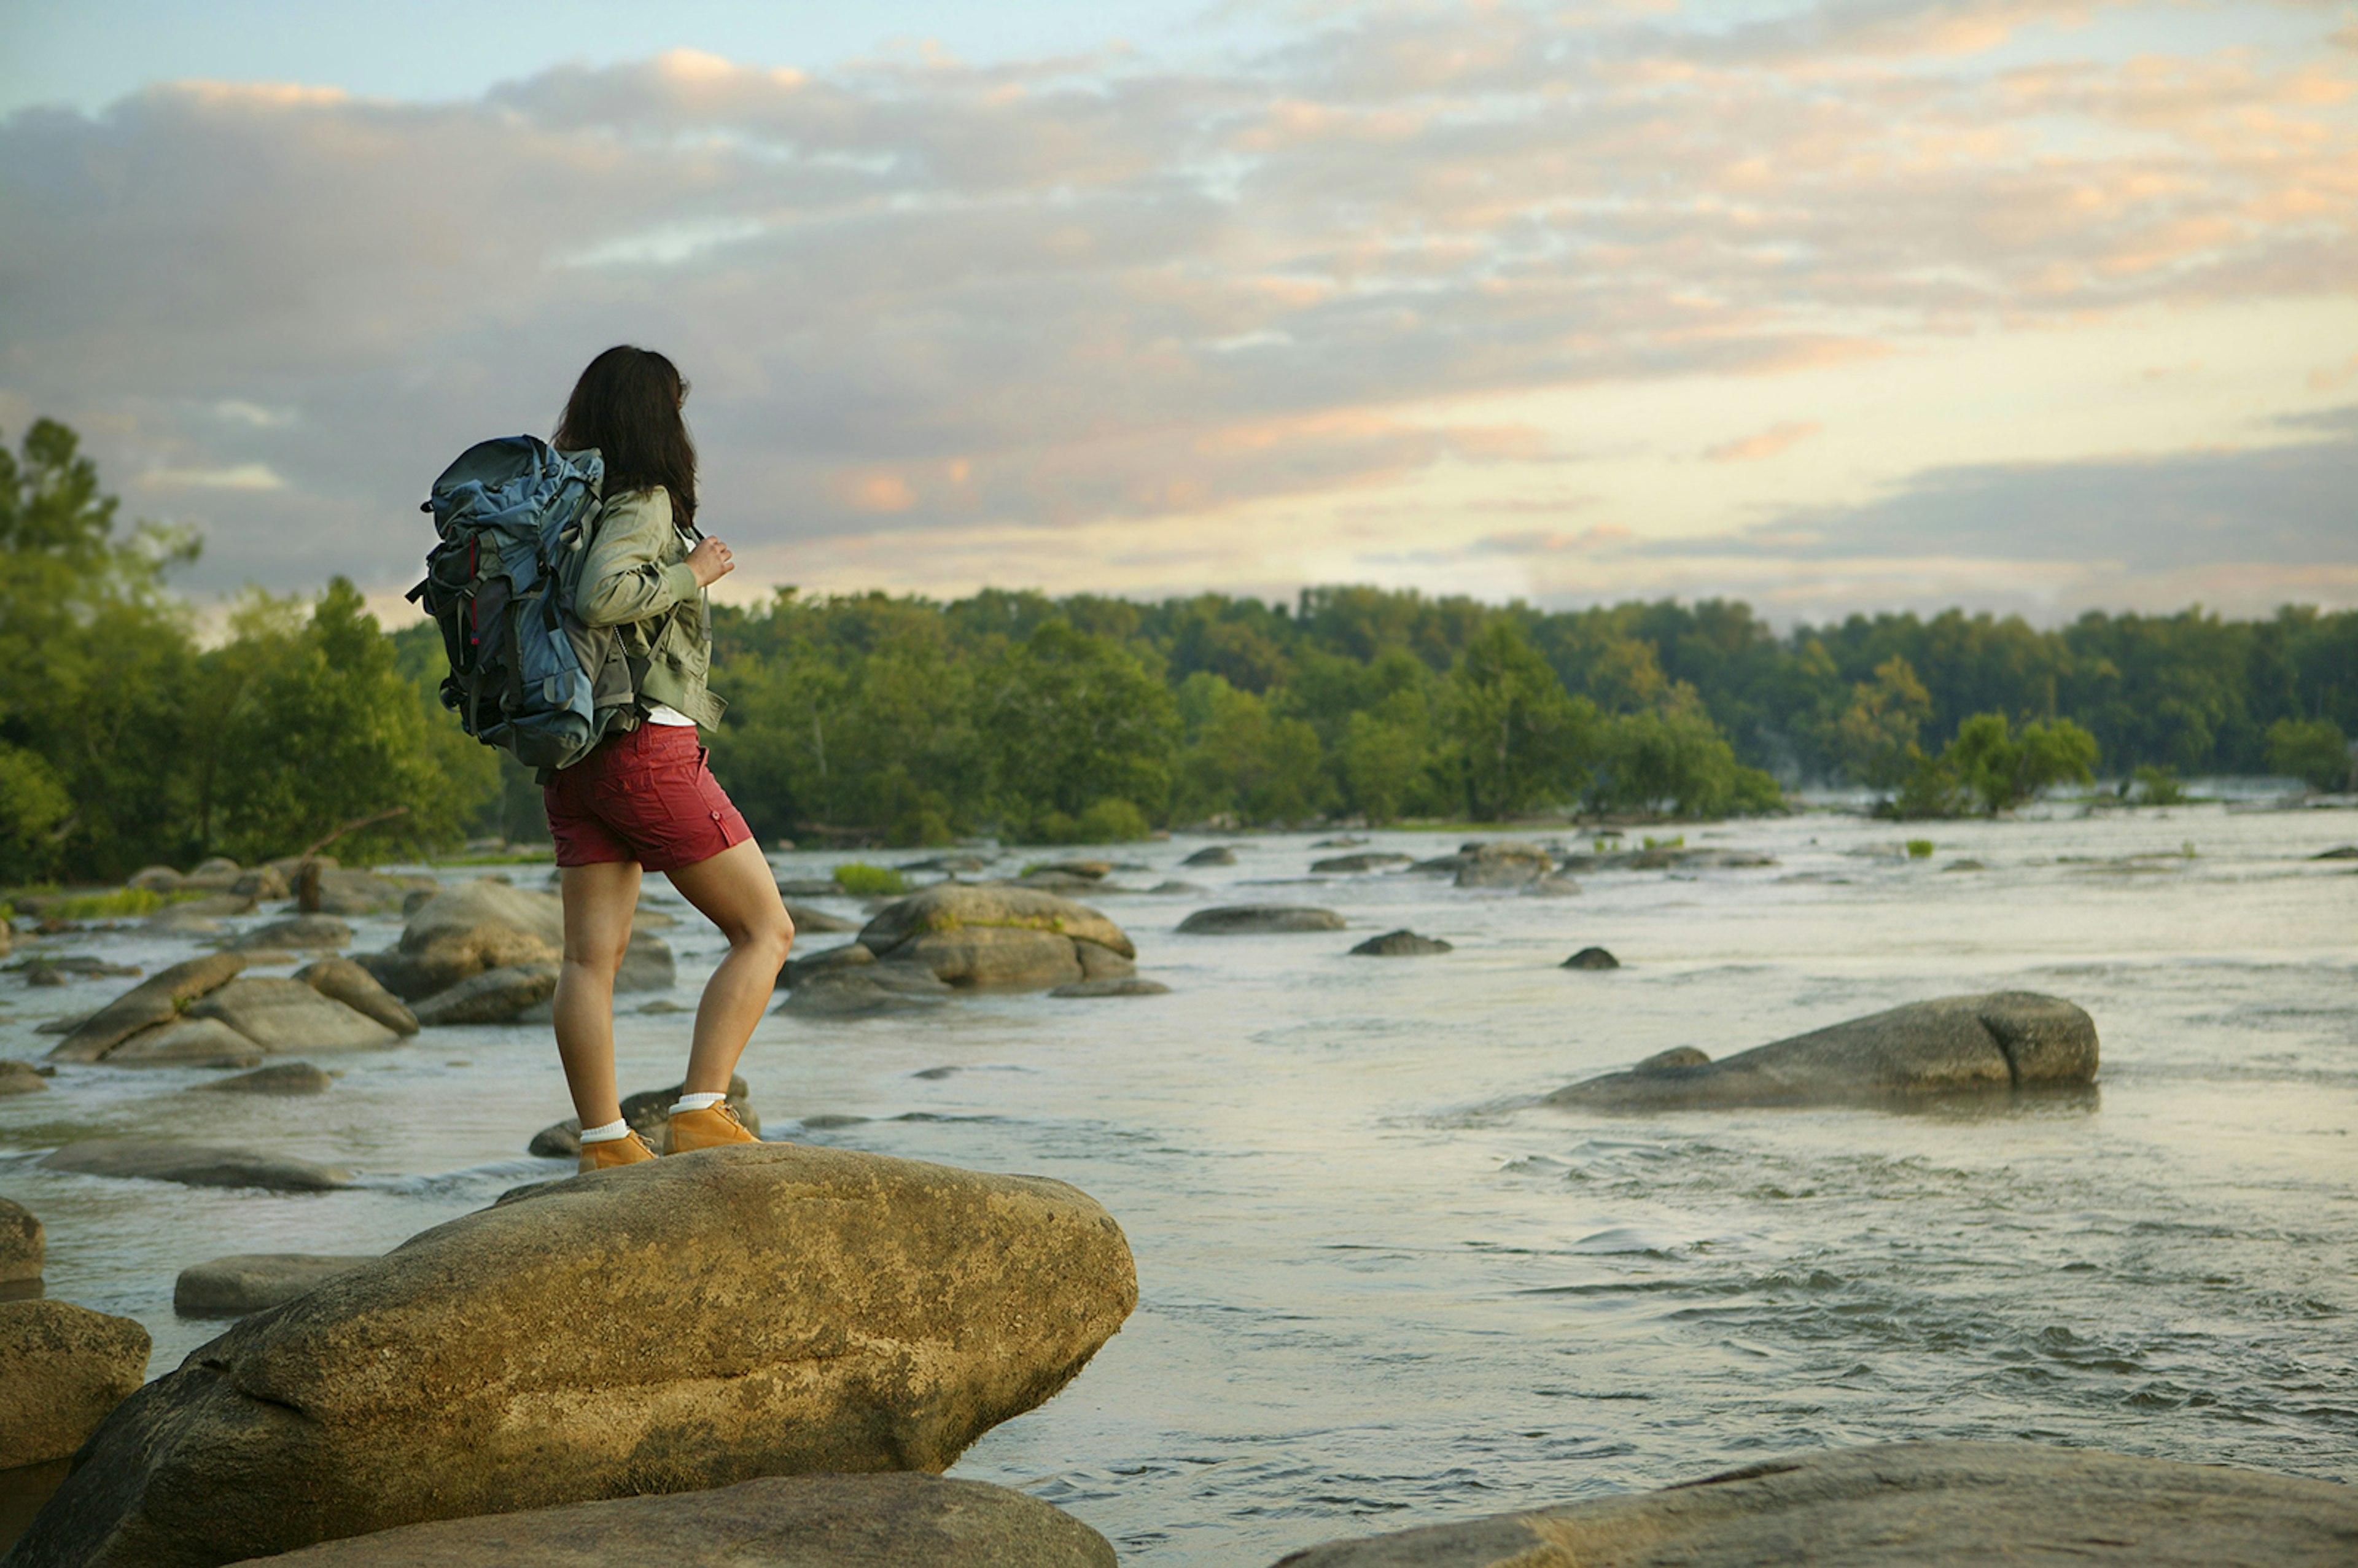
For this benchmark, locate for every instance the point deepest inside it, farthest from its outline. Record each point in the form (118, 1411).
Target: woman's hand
(711, 561)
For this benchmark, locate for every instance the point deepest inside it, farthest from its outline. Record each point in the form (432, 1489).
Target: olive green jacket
(637, 580)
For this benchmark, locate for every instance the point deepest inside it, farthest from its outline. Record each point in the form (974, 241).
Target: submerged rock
(894, 1520)
(1400, 944)
(296, 934)
(1908, 1505)
(1113, 985)
(857, 992)
(194, 1165)
(1591, 958)
(1212, 855)
(20, 1077)
(62, 1368)
(814, 1311)
(1346, 865)
(1999, 1040)
(250, 1281)
(1259, 919)
(278, 1078)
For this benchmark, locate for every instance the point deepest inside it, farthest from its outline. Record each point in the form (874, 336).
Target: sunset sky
(2026, 306)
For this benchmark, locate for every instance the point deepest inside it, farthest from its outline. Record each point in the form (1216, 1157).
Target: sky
(1861, 305)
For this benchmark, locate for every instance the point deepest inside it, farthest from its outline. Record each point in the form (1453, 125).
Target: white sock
(606, 1134)
(695, 1102)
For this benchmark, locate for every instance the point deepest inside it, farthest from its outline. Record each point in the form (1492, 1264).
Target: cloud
(1767, 444)
(918, 297)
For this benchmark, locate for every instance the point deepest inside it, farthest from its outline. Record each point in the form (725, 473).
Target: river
(1380, 1286)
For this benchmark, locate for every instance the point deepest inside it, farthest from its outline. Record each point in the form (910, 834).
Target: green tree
(1990, 765)
(93, 772)
(318, 729)
(1521, 740)
(1874, 738)
(1673, 759)
(2313, 750)
(1072, 719)
(1387, 756)
(1242, 759)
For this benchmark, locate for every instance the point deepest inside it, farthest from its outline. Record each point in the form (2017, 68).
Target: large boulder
(894, 1520)
(194, 1165)
(347, 982)
(810, 922)
(494, 996)
(670, 1326)
(1504, 863)
(460, 933)
(287, 1016)
(1960, 1044)
(62, 1368)
(1909, 1505)
(351, 893)
(1212, 855)
(487, 924)
(157, 999)
(998, 938)
(23, 1243)
(649, 1114)
(849, 992)
(1259, 919)
(243, 1282)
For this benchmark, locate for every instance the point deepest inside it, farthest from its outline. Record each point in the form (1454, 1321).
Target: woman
(644, 801)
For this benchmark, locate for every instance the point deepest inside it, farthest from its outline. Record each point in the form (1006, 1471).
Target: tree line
(129, 738)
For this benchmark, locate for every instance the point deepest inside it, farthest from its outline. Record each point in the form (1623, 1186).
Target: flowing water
(1380, 1286)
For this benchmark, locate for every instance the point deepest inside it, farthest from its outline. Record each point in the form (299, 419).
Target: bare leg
(736, 891)
(599, 901)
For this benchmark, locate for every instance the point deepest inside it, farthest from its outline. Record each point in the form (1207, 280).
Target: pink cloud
(1767, 444)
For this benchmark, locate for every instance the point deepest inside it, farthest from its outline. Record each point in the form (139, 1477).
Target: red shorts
(643, 795)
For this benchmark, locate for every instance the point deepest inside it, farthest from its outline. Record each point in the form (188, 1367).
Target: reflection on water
(1380, 1286)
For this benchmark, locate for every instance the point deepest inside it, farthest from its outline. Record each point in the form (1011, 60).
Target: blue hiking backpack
(514, 517)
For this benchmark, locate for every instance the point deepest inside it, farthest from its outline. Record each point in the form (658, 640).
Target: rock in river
(1400, 944)
(1113, 985)
(487, 924)
(893, 1520)
(1257, 919)
(23, 1243)
(997, 939)
(1591, 958)
(670, 1326)
(1212, 855)
(347, 983)
(156, 1000)
(278, 1078)
(193, 1165)
(20, 1077)
(187, 1043)
(2003, 1040)
(494, 996)
(1504, 864)
(296, 934)
(286, 1015)
(1348, 865)
(250, 1281)
(1908, 1505)
(62, 1368)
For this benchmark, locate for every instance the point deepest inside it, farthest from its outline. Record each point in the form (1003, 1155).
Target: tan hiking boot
(609, 1152)
(708, 1128)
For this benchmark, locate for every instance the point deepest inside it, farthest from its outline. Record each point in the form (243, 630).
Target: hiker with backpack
(570, 588)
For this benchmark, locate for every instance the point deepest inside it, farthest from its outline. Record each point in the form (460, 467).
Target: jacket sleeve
(624, 578)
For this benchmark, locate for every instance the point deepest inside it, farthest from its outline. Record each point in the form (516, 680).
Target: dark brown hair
(627, 405)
